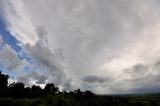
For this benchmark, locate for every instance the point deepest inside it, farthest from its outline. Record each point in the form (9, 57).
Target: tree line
(19, 90)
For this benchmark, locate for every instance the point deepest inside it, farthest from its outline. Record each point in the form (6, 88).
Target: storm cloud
(113, 44)
(94, 79)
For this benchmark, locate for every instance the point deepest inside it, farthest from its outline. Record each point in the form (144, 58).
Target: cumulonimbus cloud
(118, 40)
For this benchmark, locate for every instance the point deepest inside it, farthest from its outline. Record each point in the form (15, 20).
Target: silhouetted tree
(28, 92)
(36, 91)
(78, 94)
(88, 95)
(50, 88)
(3, 84)
(78, 91)
(71, 93)
(17, 90)
(3, 81)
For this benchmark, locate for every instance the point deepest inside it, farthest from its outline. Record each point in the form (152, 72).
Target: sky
(106, 46)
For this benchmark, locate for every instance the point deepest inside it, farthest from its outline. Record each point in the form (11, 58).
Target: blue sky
(7, 37)
(13, 43)
(10, 40)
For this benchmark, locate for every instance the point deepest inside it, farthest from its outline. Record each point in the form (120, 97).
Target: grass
(68, 100)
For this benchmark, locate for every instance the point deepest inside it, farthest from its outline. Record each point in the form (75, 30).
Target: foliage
(3, 84)
(16, 94)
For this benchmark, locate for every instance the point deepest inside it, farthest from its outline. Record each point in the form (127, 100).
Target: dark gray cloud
(94, 79)
(137, 71)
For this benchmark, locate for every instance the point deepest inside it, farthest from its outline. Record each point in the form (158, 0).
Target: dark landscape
(16, 94)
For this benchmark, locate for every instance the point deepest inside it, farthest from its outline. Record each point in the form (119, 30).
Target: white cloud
(88, 38)
(23, 29)
(10, 60)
